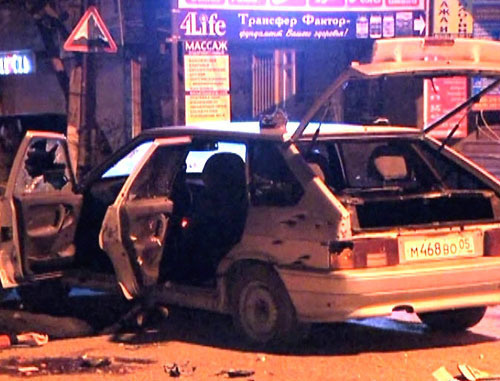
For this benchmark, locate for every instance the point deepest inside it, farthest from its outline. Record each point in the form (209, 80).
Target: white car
(278, 226)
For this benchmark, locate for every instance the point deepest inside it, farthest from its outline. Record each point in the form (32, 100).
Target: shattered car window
(273, 183)
(44, 169)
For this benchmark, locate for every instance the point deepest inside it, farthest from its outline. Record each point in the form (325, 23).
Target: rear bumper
(345, 294)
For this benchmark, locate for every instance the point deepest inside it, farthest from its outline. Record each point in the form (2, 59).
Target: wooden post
(74, 114)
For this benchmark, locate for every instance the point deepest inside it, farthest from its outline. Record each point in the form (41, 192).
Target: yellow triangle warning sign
(91, 35)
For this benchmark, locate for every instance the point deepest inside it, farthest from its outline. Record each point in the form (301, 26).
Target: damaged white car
(322, 221)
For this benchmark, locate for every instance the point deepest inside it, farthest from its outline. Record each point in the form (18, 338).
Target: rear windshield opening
(390, 182)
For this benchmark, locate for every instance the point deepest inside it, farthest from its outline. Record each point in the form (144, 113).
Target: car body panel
(431, 286)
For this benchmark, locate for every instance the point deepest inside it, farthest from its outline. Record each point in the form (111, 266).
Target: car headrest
(224, 170)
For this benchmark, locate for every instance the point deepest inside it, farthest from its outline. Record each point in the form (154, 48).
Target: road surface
(202, 346)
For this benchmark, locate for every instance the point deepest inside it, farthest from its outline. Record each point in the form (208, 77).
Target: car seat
(219, 215)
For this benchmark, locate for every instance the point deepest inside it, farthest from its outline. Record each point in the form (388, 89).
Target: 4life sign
(203, 25)
(265, 25)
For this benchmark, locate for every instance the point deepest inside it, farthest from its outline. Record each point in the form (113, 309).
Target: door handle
(160, 228)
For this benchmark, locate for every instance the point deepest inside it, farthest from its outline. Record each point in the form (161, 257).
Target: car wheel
(262, 309)
(453, 320)
(44, 296)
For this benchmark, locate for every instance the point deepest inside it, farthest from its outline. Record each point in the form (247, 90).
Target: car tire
(44, 296)
(262, 310)
(453, 320)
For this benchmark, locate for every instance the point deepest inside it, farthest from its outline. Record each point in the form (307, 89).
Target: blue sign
(246, 25)
(17, 62)
(486, 20)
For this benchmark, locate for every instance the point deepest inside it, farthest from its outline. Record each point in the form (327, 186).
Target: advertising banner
(486, 19)
(453, 18)
(305, 5)
(488, 102)
(207, 107)
(206, 72)
(440, 96)
(486, 15)
(259, 25)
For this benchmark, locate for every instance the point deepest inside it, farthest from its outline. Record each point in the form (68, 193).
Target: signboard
(91, 35)
(206, 72)
(17, 62)
(261, 25)
(486, 15)
(207, 107)
(487, 20)
(488, 102)
(440, 96)
(305, 5)
(453, 17)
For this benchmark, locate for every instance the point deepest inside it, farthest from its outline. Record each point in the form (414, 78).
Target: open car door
(41, 209)
(135, 225)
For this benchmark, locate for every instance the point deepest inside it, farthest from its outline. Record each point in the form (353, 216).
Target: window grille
(273, 79)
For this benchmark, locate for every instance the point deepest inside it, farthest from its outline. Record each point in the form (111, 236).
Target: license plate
(436, 247)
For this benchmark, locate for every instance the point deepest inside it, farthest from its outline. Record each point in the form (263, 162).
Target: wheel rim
(258, 311)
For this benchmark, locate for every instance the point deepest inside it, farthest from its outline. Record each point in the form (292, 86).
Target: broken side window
(272, 181)
(45, 168)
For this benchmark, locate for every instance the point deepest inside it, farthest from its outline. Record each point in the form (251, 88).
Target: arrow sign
(419, 25)
(91, 35)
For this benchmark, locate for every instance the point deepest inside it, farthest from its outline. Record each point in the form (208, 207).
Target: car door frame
(113, 237)
(14, 268)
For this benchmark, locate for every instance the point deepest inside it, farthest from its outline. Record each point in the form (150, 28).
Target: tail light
(492, 243)
(369, 252)
(341, 255)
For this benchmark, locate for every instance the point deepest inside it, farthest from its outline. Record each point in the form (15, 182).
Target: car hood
(417, 57)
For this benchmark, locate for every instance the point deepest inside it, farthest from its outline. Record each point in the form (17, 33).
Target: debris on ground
(21, 366)
(442, 374)
(32, 339)
(261, 358)
(468, 372)
(234, 373)
(474, 374)
(176, 370)
(94, 362)
(29, 339)
(28, 370)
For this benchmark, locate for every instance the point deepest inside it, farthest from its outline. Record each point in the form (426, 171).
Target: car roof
(241, 130)
(252, 130)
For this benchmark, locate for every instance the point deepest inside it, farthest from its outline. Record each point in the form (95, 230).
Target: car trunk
(424, 209)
